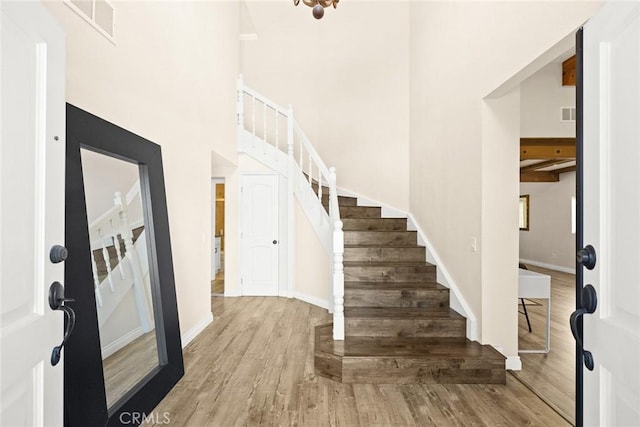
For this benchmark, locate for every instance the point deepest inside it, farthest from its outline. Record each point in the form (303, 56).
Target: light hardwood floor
(551, 375)
(126, 367)
(217, 284)
(254, 366)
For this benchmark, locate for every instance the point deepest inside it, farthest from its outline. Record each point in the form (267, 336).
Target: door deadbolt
(587, 257)
(58, 254)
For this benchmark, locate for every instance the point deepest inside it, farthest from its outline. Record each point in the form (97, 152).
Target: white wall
(461, 52)
(549, 239)
(501, 145)
(312, 275)
(170, 78)
(541, 98)
(347, 77)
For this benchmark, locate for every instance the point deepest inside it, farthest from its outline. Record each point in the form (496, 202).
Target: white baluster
(300, 154)
(116, 244)
(107, 260)
(319, 185)
(333, 213)
(96, 280)
(290, 206)
(310, 177)
(240, 113)
(253, 119)
(290, 131)
(277, 134)
(338, 281)
(264, 128)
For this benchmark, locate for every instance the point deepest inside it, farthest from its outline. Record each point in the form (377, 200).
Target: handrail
(263, 99)
(310, 166)
(112, 211)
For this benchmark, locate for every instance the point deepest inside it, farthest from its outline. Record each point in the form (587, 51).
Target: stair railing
(262, 126)
(107, 230)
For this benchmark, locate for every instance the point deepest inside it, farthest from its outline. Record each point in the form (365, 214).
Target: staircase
(399, 327)
(391, 320)
(99, 255)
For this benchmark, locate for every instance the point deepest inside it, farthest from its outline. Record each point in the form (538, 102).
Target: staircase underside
(399, 327)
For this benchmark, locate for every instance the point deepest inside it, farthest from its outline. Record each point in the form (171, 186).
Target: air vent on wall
(98, 13)
(568, 114)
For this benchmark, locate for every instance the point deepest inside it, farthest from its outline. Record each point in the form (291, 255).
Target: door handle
(587, 257)
(56, 302)
(589, 302)
(275, 242)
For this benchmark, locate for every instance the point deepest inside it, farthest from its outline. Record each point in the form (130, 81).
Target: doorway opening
(217, 236)
(546, 280)
(526, 123)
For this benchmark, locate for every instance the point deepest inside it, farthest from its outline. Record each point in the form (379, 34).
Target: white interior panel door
(612, 213)
(32, 159)
(259, 235)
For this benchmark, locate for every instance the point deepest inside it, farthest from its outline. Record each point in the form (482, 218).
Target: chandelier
(318, 6)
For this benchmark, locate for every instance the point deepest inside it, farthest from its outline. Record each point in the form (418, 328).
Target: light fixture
(318, 6)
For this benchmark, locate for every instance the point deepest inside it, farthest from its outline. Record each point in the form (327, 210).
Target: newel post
(338, 281)
(290, 212)
(338, 259)
(240, 113)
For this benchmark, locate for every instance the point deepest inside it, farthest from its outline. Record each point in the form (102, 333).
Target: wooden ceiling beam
(544, 164)
(569, 72)
(547, 148)
(539, 177)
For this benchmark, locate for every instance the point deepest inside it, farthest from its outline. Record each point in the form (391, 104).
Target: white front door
(31, 213)
(612, 213)
(259, 234)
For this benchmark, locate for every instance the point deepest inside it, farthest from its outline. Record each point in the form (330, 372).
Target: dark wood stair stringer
(399, 327)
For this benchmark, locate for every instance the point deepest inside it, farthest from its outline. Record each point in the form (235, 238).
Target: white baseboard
(513, 363)
(116, 345)
(549, 266)
(188, 336)
(311, 299)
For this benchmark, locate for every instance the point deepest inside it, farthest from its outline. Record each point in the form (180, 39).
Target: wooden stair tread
(399, 327)
(399, 313)
(387, 264)
(381, 347)
(390, 219)
(408, 286)
(394, 360)
(383, 245)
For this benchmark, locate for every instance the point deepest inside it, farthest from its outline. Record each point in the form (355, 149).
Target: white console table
(536, 285)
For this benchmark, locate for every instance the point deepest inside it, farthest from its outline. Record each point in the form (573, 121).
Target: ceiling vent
(98, 13)
(568, 114)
